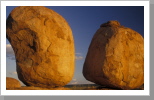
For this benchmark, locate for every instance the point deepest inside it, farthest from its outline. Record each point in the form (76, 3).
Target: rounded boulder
(115, 57)
(43, 44)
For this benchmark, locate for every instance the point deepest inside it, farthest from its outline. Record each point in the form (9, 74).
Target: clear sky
(84, 22)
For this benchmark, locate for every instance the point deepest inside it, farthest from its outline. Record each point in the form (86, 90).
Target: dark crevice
(33, 46)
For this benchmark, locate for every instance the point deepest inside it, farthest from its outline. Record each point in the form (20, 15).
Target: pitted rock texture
(115, 57)
(12, 83)
(43, 44)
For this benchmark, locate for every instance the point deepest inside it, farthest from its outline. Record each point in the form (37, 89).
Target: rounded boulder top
(113, 23)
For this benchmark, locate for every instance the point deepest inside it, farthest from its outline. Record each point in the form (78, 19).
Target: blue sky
(84, 22)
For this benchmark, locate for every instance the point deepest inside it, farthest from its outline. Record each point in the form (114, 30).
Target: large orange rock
(12, 83)
(43, 44)
(115, 57)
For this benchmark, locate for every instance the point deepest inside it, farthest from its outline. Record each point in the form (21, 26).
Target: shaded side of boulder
(12, 83)
(43, 44)
(115, 57)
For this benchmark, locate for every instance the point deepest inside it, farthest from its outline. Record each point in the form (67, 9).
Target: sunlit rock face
(115, 57)
(12, 83)
(43, 44)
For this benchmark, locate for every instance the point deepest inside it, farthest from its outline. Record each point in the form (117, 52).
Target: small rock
(12, 83)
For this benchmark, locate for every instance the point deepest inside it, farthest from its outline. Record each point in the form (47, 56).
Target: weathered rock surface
(115, 57)
(43, 44)
(12, 83)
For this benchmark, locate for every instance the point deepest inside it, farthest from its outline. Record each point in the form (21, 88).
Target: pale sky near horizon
(84, 22)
